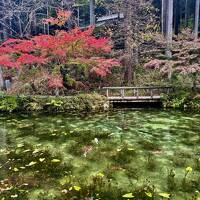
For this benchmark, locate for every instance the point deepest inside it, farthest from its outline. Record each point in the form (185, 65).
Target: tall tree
(92, 12)
(169, 27)
(196, 27)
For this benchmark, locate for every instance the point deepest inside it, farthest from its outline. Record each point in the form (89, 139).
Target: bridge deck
(135, 99)
(136, 94)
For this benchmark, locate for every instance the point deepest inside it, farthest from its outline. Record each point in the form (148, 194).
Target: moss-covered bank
(183, 99)
(82, 102)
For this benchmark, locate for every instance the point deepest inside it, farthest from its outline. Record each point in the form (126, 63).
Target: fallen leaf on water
(128, 195)
(14, 196)
(36, 151)
(55, 161)
(188, 169)
(165, 195)
(77, 188)
(41, 159)
(100, 175)
(32, 163)
(20, 145)
(149, 194)
(15, 169)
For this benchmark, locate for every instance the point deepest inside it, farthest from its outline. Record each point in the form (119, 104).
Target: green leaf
(128, 195)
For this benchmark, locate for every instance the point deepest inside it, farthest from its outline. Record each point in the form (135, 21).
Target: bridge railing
(136, 92)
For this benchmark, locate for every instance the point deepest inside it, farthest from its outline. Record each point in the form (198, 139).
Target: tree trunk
(131, 27)
(5, 31)
(186, 13)
(177, 17)
(1, 79)
(196, 26)
(164, 14)
(169, 27)
(92, 12)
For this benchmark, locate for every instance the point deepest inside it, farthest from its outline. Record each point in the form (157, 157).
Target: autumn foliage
(75, 50)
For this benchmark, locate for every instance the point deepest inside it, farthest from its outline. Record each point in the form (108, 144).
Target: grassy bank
(82, 102)
(183, 99)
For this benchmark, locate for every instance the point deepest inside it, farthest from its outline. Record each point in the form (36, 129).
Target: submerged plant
(151, 162)
(171, 179)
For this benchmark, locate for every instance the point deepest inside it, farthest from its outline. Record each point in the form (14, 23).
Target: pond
(123, 154)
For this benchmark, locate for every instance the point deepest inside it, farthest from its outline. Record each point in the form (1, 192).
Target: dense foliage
(55, 61)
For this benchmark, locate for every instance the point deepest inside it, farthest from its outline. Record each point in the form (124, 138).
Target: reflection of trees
(3, 143)
(2, 138)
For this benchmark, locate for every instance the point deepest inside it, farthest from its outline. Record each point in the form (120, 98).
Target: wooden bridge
(136, 94)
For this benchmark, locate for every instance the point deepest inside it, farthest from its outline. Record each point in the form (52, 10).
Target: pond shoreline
(86, 103)
(55, 104)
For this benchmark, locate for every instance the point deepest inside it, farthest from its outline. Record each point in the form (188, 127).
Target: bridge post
(122, 93)
(151, 92)
(107, 92)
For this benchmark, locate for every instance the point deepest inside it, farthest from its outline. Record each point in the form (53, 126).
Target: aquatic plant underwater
(117, 155)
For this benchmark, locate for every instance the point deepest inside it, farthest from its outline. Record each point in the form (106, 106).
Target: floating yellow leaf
(36, 151)
(14, 196)
(165, 195)
(27, 150)
(70, 188)
(32, 163)
(149, 194)
(55, 161)
(188, 169)
(100, 175)
(128, 195)
(15, 169)
(20, 145)
(77, 188)
(41, 159)
(131, 149)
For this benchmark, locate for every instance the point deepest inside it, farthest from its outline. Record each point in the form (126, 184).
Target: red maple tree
(75, 50)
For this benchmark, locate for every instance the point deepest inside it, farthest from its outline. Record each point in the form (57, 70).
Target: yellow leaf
(100, 175)
(32, 163)
(55, 161)
(128, 195)
(15, 169)
(70, 188)
(188, 169)
(77, 188)
(149, 194)
(41, 159)
(20, 145)
(165, 195)
(36, 151)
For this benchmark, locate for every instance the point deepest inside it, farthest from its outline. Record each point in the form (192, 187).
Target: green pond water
(123, 154)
